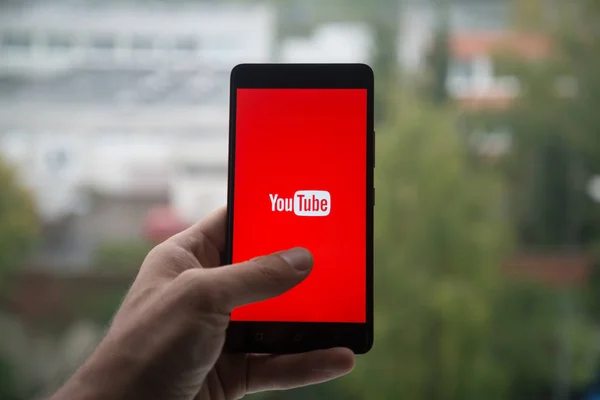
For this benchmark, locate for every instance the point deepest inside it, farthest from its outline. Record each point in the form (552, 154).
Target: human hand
(166, 341)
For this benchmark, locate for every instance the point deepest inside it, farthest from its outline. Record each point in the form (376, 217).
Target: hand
(166, 340)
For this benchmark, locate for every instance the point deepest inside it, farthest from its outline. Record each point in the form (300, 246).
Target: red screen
(299, 152)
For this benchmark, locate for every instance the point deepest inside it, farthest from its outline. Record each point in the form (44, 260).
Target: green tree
(544, 167)
(554, 126)
(438, 58)
(18, 229)
(439, 242)
(526, 341)
(119, 257)
(18, 223)
(384, 63)
(9, 389)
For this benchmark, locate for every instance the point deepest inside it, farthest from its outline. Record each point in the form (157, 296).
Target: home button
(298, 338)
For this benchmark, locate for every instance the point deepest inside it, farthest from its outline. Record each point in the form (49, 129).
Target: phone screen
(301, 181)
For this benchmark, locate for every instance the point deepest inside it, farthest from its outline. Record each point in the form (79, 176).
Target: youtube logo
(305, 203)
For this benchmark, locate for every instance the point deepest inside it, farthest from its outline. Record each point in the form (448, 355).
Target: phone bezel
(299, 337)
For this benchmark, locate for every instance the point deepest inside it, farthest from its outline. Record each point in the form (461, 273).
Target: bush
(18, 223)
(120, 256)
(8, 387)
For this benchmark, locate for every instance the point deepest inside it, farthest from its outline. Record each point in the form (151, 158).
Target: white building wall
(330, 43)
(225, 35)
(418, 19)
(131, 144)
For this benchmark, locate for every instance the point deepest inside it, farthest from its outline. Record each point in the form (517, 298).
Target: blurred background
(113, 136)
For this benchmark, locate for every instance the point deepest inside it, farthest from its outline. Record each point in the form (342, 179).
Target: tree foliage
(438, 58)
(119, 257)
(18, 222)
(439, 243)
(9, 389)
(554, 127)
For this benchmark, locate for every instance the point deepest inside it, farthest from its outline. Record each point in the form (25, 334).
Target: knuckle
(200, 294)
(153, 258)
(206, 251)
(202, 303)
(160, 251)
(169, 253)
(212, 299)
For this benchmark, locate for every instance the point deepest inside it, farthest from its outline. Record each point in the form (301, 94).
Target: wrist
(107, 374)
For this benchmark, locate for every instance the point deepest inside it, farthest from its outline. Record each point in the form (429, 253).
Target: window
(222, 43)
(15, 145)
(492, 142)
(142, 43)
(186, 44)
(59, 41)
(462, 69)
(16, 39)
(194, 170)
(460, 76)
(103, 42)
(469, 16)
(57, 160)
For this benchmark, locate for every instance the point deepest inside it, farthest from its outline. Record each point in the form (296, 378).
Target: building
(108, 112)
(48, 37)
(473, 79)
(419, 19)
(478, 30)
(334, 42)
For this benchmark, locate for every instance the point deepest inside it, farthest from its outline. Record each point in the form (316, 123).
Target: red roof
(526, 45)
(490, 101)
(555, 270)
(161, 223)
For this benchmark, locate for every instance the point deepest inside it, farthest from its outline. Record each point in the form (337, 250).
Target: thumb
(259, 279)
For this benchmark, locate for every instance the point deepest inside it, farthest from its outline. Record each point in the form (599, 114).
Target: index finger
(266, 373)
(211, 231)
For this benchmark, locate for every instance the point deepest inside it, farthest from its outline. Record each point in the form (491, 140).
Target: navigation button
(298, 338)
(259, 337)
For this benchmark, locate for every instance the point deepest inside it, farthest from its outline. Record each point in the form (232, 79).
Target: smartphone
(301, 161)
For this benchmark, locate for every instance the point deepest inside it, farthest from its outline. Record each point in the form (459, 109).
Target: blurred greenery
(18, 223)
(438, 60)
(119, 259)
(120, 256)
(556, 146)
(544, 166)
(439, 243)
(8, 385)
(101, 307)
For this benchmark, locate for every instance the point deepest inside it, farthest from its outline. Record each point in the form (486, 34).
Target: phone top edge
(274, 75)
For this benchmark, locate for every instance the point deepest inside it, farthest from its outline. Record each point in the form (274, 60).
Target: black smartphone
(301, 161)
